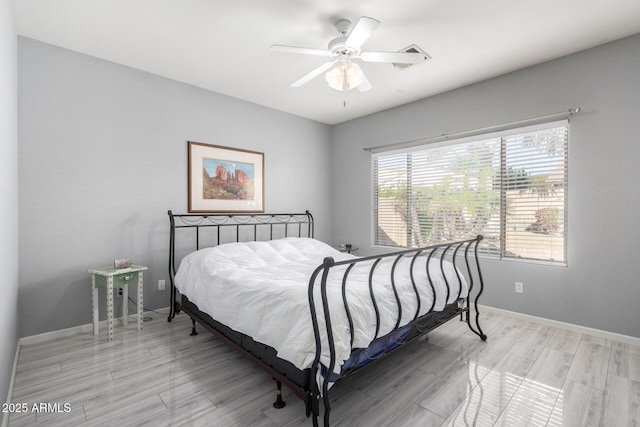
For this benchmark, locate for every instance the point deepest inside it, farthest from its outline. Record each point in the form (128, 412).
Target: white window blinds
(510, 187)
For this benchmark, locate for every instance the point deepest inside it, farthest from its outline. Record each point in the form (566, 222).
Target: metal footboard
(456, 252)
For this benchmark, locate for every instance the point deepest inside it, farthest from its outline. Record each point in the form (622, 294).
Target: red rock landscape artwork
(227, 180)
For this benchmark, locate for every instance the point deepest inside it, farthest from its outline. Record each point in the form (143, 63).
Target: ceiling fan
(341, 72)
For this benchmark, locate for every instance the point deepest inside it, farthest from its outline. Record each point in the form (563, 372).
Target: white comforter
(261, 290)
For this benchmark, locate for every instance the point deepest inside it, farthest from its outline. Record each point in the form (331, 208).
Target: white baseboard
(5, 416)
(61, 333)
(563, 325)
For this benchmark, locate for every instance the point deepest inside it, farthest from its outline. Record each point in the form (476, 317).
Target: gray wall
(600, 287)
(8, 193)
(103, 156)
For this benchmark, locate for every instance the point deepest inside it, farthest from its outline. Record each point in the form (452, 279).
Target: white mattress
(261, 290)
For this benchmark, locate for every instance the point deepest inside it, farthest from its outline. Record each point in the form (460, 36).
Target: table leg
(140, 301)
(125, 305)
(94, 304)
(110, 307)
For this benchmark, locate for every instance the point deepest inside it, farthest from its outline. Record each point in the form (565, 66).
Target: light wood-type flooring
(526, 374)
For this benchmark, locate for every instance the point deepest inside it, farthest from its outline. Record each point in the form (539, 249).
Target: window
(510, 187)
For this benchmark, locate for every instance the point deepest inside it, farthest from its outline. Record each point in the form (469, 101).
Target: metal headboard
(234, 227)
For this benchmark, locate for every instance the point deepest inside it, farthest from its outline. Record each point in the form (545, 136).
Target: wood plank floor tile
(551, 368)
(487, 400)
(377, 411)
(70, 387)
(151, 381)
(246, 406)
(524, 374)
(621, 402)
(129, 412)
(416, 415)
(590, 364)
(531, 405)
(40, 374)
(20, 420)
(563, 340)
(531, 342)
(443, 395)
(577, 405)
(625, 361)
(181, 413)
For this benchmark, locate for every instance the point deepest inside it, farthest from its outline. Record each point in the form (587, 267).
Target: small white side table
(111, 278)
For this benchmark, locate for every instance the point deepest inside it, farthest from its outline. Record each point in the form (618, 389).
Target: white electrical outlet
(161, 285)
(519, 287)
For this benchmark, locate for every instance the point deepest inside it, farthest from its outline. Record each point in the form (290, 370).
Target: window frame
(477, 137)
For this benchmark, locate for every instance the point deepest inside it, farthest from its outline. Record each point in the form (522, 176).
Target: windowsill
(388, 249)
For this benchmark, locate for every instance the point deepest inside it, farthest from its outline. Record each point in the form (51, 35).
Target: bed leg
(478, 332)
(172, 304)
(313, 408)
(327, 409)
(175, 309)
(193, 328)
(279, 403)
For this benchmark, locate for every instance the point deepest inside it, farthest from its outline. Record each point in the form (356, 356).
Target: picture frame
(225, 179)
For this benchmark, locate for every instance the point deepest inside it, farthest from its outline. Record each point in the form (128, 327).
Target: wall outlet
(519, 287)
(161, 285)
(119, 292)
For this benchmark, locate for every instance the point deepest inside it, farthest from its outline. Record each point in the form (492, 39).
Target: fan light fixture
(344, 77)
(340, 72)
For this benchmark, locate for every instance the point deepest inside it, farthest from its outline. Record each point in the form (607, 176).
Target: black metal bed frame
(304, 384)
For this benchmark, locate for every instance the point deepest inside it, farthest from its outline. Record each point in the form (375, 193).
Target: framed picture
(224, 179)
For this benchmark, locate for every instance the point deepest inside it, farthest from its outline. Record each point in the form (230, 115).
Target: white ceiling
(223, 46)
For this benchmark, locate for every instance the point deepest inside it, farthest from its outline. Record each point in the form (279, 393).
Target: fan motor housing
(338, 47)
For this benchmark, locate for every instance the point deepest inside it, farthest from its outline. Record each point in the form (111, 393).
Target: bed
(304, 311)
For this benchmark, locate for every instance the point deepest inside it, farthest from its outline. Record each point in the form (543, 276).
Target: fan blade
(395, 57)
(321, 69)
(295, 49)
(365, 85)
(361, 32)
